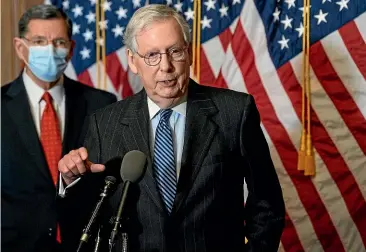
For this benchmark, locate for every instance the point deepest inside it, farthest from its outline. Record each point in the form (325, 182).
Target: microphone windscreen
(133, 166)
(110, 179)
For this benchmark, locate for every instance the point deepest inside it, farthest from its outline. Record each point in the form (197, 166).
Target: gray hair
(45, 12)
(144, 16)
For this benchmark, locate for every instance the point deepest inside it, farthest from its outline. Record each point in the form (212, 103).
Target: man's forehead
(47, 27)
(151, 28)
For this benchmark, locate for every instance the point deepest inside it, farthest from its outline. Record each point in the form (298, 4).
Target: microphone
(109, 182)
(132, 169)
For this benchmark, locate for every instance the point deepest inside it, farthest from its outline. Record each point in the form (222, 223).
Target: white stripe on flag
(215, 54)
(336, 207)
(346, 69)
(335, 126)
(133, 80)
(267, 71)
(294, 206)
(360, 22)
(121, 54)
(70, 71)
(92, 70)
(233, 25)
(231, 72)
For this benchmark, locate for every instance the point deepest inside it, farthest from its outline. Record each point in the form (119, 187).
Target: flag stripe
(356, 45)
(338, 170)
(345, 144)
(360, 23)
(338, 93)
(122, 56)
(267, 71)
(118, 76)
(70, 71)
(207, 75)
(287, 151)
(108, 86)
(295, 236)
(230, 74)
(84, 77)
(225, 38)
(346, 68)
(215, 55)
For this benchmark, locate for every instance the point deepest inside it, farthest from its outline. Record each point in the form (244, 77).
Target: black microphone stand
(87, 230)
(117, 220)
(98, 240)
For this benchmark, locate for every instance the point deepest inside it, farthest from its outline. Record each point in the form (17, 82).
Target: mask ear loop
(22, 56)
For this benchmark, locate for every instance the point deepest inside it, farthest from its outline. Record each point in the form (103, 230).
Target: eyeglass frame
(184, 48)
(67, 42)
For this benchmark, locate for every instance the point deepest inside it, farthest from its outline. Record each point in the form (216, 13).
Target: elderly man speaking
(200, 142)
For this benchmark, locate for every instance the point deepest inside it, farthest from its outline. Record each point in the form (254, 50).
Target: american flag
(255, 46)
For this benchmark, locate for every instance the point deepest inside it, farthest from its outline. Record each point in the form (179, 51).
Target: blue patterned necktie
(164, 164)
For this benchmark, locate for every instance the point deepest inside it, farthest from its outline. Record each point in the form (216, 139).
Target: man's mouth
(168, 82)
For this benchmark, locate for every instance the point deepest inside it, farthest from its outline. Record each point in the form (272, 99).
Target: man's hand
(75, 164)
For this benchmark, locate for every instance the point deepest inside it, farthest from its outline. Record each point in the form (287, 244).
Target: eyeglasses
(58, 43)
(154, 58)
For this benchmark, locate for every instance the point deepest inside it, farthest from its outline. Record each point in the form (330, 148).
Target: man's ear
(131, 61)
(20, 48)
(71, 52)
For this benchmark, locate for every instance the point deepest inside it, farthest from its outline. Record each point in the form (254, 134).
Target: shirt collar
(35, 92)
(181, 108)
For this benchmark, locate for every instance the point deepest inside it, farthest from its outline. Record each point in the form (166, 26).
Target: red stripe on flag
(336, 165)
(220, 81)
(309, 196)
(207, 76)
(84, 78)
(355, 44)
(293, 242)
(225, 38)
(118, 75)
(339, 95)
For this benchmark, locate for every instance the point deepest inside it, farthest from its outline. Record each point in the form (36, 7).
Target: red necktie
(51, 141)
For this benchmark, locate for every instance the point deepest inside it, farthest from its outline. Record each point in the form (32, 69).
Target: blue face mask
(46, 62)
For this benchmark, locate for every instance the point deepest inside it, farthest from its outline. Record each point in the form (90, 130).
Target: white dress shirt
(37, 105)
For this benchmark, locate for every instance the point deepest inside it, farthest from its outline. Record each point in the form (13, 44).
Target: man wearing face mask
(42, 116)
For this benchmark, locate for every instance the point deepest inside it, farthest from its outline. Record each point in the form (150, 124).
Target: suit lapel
(75, 109)
(19, 111)
(138, 122)
(199, 132)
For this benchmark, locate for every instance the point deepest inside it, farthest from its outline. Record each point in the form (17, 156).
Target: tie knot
(165, 114)
(47, 98)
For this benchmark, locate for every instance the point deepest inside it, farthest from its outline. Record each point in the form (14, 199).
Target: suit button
(50, 231)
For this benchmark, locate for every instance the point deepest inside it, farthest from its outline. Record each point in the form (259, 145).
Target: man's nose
(166, 63)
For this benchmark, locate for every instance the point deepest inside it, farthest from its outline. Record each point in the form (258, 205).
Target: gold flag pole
(309, 158)
(104, 45)
(301, 156)
(198, 20)
(194, 38)
(97, 56)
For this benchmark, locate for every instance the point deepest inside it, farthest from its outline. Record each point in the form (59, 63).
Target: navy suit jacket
(28, 195)
(223, 145)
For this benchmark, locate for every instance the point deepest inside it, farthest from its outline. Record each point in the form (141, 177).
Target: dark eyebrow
(42, 37)
(61, 38)
(38, 37)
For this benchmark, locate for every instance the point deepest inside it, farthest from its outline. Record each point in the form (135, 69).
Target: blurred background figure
(42, 115)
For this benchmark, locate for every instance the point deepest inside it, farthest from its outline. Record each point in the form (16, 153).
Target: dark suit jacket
(28, 195)
(223, 144)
